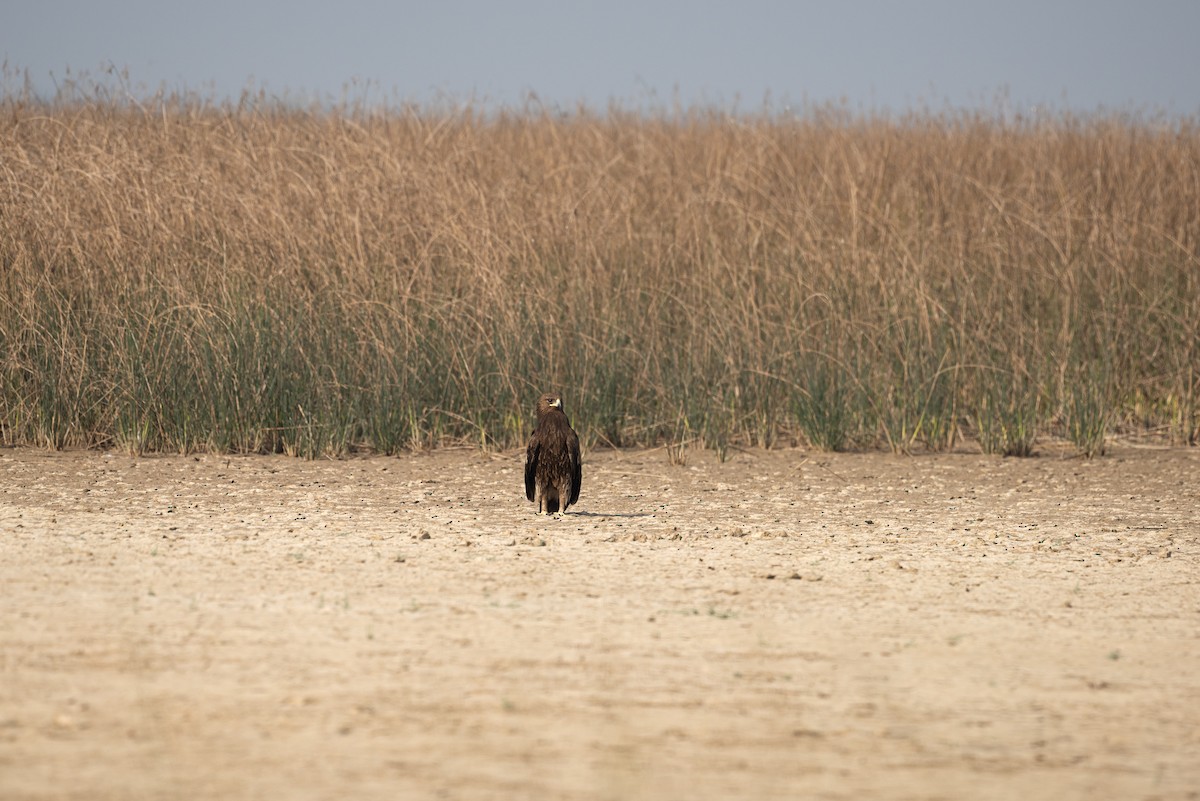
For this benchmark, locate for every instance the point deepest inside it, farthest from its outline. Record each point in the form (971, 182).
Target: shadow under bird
(553, 469)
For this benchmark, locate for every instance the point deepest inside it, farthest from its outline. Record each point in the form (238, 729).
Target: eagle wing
(576, 466)
(531, 461)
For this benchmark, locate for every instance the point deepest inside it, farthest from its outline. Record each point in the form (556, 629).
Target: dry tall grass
(182, 274)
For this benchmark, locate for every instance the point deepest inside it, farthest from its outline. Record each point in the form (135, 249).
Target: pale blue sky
(1137, 56)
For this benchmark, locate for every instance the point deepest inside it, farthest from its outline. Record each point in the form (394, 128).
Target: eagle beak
(556, 403)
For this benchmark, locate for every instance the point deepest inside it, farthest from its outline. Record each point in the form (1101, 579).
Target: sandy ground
(783, 625)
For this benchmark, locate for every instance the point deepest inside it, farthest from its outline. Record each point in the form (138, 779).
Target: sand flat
(784, 624)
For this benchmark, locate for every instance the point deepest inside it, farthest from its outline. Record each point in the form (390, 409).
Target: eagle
(553, 471)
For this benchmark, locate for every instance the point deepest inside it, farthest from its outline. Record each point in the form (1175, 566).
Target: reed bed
(179, 274)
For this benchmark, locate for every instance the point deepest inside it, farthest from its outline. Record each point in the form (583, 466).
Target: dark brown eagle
(553, 471)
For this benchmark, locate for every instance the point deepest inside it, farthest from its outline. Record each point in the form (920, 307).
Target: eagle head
(549, 401)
